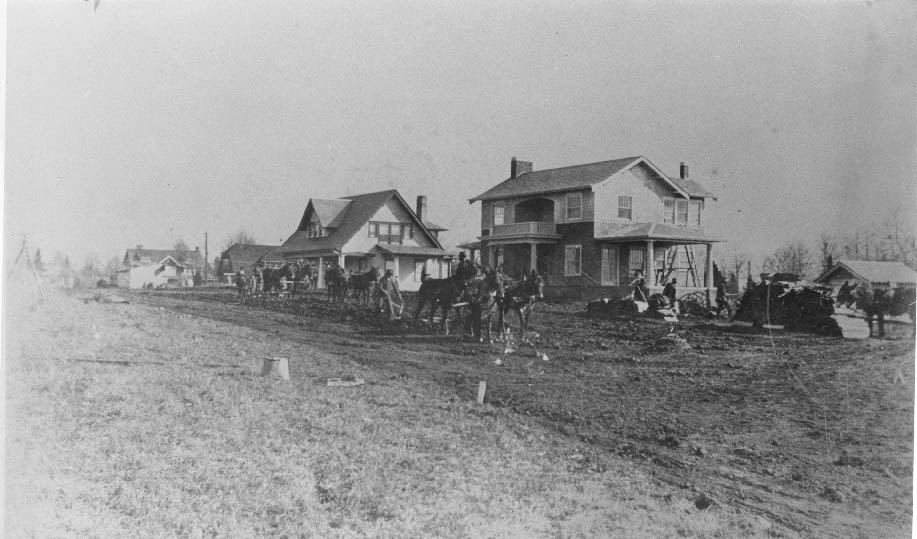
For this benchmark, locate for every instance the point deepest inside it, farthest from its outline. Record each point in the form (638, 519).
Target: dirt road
(812, 432)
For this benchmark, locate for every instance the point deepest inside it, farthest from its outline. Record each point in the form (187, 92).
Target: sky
(149, 122)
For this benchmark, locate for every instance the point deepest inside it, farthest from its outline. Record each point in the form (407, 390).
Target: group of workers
(641, 293)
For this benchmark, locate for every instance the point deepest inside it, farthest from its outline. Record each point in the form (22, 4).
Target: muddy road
(812, 432)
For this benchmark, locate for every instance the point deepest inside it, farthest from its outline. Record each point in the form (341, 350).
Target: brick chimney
(683, 171)
(518, 168)
(139, 247)
(421, 208)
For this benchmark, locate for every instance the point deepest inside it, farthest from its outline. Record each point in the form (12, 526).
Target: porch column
(341, 260)
(533, 257)
(708, 272)
(650, 264)
(321, 272)
(397, 270)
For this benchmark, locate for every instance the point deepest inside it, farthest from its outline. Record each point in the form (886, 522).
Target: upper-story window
(574, 206)
(498, 213)
(694, 207)
(389, 232)
(681, 212)
(669, 211)
(625, 208)
(313, 230)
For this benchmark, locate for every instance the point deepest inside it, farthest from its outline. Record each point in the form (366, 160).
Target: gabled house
(869, 272)
(371, 230)
(142, 268)
(587, 228)
(241, 257)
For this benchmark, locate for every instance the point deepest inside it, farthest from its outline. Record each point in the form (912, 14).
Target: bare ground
(814, 433)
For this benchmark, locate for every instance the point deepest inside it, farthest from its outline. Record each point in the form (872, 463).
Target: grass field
(139, 420)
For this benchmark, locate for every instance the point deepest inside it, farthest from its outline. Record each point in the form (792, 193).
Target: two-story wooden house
(372, 230)
(587, 228)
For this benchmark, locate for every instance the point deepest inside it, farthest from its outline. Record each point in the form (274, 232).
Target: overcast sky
(146, 122)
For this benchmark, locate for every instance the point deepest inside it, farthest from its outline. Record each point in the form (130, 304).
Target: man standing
(721, 301)
(670, 293)
(388, 286)
(639, 286)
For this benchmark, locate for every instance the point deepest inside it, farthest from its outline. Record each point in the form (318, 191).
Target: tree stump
(276, 366)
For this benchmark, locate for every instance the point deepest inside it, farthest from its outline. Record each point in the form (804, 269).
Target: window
(694, 207)
(573, 258)
(669, 211)
(574, 206)
(625, 208)
(408, 231)
(313, 230)
(681, 207)
(498, 213)
(386, 232)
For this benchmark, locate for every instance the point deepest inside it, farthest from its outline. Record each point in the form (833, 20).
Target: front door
(610, 265)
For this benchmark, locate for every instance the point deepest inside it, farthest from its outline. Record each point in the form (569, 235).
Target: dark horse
(443, 293)
(335, 282)
(276, 279)
(876, 303)
(521, 297)
(363, 284)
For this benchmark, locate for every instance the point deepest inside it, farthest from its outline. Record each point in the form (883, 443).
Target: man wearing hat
(388, 285)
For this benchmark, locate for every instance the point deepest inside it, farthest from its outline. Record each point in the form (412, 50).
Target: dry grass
(184, 438)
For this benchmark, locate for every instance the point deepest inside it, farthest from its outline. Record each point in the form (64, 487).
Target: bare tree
(828, 247)
(181, 250)
(737, 262)
(241, 237)
(792, 257)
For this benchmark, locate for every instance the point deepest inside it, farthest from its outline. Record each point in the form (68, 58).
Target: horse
(335, 282)
(275, 279)
(363, 285)
(308, 275)
(443, 293)
(521, 297)
(845, 295)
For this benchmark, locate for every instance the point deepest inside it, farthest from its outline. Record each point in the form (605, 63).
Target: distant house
(371, 230)
(587, 228)
(870, 272)
(142, 268)
(241, 256)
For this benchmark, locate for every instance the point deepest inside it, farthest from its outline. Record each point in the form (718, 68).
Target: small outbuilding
(868, 272)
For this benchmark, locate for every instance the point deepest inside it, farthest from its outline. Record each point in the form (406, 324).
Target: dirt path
(814, 433)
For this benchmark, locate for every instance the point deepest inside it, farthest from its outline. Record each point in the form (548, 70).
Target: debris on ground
(346, 381)
(782, 299)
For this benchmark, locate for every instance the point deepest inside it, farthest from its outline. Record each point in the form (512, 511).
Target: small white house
(869, 272)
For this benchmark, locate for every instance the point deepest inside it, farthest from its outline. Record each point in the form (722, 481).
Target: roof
(650, 231)
(357, 211)
(582, 177)
(873, 271)
(691, 187)
(330, 212)
(409, 250)
(557, 179)
(240, 252)
(153, 256)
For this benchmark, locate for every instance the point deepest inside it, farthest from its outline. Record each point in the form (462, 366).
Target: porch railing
(520, 229)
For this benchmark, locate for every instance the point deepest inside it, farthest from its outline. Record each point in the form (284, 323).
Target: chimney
(683, 170)
(139, 247)
(421, 208)
(518, 168)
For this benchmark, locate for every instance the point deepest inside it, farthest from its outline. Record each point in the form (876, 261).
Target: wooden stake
(277, 366)
(482, 388)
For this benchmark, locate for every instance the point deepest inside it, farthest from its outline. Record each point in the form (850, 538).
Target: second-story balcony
(530, 230)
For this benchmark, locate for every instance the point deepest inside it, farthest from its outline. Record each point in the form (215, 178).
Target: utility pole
(206, 259)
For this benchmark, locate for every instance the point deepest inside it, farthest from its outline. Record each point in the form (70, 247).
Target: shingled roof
(580, 177)
(873, 271)
(355, 211)
(153, 256)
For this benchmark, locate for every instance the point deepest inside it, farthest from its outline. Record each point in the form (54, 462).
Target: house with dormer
(370, 230)
(157, 268)
(588, 228)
